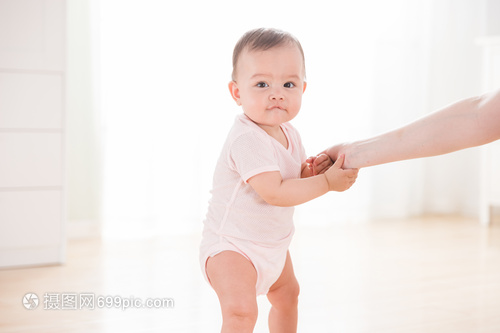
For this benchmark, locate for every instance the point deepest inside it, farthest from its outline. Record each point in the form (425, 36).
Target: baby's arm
(285, 193)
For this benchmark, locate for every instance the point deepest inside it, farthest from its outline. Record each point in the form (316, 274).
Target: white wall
(84, 131)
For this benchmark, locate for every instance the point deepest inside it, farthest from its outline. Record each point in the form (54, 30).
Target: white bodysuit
(238, 219)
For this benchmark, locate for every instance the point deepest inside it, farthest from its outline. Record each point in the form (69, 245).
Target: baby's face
(269, 84)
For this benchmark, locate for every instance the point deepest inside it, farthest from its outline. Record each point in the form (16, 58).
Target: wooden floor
(419, 275)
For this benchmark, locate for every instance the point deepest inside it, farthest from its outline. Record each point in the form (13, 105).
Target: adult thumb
(339, 162)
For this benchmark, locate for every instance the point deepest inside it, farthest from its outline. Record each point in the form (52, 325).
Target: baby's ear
(304, 88)
(235, 92)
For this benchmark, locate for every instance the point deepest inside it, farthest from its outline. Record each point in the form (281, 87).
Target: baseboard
(52, 254)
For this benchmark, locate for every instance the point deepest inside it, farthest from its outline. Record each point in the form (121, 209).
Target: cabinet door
(32, 34)
(494, 171)
(31, 227)
(32, 52)
(30, 160)
(490, 153)
(31, 101)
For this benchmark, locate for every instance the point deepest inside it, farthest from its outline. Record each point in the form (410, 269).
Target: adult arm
(468, 123)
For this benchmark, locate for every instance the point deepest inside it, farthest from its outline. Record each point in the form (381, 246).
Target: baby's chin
(271, 117)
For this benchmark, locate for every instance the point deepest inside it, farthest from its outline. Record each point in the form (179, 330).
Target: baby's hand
(339, 179)
(319, 164)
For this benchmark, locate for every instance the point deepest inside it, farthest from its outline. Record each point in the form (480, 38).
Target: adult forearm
(467, 123)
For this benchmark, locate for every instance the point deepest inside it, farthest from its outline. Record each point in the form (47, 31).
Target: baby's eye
(262, 85)
(289, 85)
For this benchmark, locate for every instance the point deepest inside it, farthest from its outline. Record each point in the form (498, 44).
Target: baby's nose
(277, 95)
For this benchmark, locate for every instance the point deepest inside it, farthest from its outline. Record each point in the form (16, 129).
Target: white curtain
(371, 66)
(430, 62)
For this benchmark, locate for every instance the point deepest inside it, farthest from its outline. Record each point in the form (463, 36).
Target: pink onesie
(238, 219)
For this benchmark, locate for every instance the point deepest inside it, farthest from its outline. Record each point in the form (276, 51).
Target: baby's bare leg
(233, 278)
(284, 298)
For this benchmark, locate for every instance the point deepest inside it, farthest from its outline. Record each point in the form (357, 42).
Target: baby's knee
(293, 292)
(241, 310)
(285, 296)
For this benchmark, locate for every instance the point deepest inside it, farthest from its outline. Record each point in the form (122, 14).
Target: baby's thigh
(286, 288)
(233, 278)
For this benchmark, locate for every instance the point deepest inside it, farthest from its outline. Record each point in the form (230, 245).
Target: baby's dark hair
(262, 39)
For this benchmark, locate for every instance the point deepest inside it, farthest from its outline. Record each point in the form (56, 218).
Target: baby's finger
(321, 158)
(353, 172)
(339, 162)
(352, 177)
(311, 159)
(321, 168)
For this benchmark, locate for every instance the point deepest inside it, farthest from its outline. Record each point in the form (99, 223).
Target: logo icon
(30, 301)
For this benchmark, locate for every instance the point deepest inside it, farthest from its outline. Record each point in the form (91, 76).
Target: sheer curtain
(431, 62)
(371, 66)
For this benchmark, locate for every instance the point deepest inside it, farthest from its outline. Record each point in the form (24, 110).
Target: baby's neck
(277, 133)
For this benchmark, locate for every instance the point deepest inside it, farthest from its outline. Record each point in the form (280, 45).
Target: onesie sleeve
(251, 155)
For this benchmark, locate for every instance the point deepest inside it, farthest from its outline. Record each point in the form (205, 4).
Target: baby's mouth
(276, 107)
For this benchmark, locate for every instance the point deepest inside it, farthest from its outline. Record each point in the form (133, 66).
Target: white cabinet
(490, 154)
(32, 76)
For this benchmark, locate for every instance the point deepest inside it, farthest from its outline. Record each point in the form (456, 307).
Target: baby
(260, 175)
